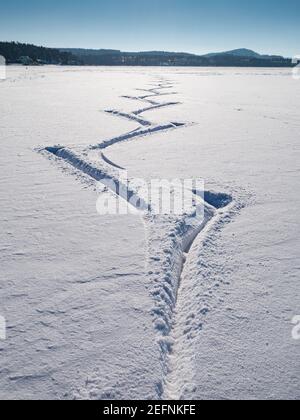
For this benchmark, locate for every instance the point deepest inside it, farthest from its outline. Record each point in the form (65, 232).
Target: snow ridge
(186, 325)
(168, 268)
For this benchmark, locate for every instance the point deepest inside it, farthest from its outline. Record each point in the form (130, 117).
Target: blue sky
(267, 26)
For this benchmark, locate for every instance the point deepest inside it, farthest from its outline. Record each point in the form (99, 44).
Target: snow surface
(146, 306)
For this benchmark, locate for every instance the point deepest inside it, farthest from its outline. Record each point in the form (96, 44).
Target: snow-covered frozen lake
(149, 307)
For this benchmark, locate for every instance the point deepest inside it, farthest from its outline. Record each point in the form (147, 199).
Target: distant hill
(15, 52)
(239, 58)
(95, 52)
(245, 53)
(117, 57)
(242, 52)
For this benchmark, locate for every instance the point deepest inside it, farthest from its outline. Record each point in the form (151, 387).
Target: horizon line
(150, 50)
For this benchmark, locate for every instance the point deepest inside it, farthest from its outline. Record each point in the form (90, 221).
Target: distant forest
(159, 58)
(27, 54)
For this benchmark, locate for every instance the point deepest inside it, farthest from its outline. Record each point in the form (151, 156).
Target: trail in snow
(109, 162)
(186, 322)
(138, 98)
(171, 240)
(145, 98)
(100, 174)
(131, 117)
(155, 106)
(138, 133)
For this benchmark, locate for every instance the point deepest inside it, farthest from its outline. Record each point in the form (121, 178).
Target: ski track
(169, 261)
(155, 106)
(131, 117)
(109, 162)
(178, 349)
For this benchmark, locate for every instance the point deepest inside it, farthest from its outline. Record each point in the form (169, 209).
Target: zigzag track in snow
(168, 267)
(134, 116)
(101, 171)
